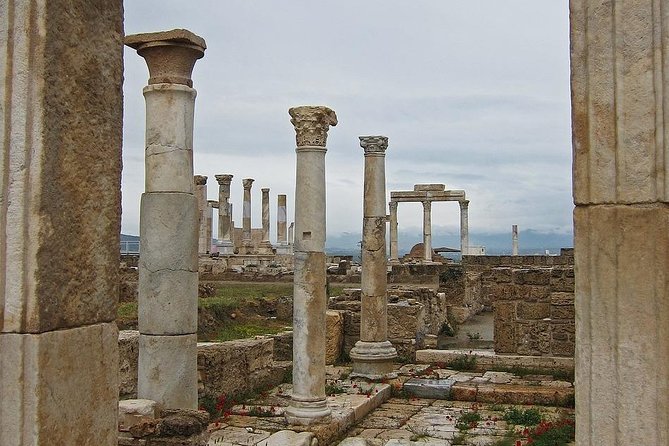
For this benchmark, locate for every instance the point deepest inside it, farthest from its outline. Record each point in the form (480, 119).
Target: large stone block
(128, 353)
(533, 310)
(59, 387)
(532, 276)
(405, 321)
(168, 370)
(533, 338)
(334, 341)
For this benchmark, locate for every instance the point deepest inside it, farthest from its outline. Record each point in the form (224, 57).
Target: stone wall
(533, 309)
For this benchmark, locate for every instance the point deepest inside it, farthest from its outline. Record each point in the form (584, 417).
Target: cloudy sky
(473, 94)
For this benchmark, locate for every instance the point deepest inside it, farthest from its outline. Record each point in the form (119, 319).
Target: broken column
(168, 264)
(514, 240)
(265, 244)
(427, 231)
(60, 217)
(464, 227)
(394, 254)
(202, 208)
(621, 221)
(246, 215)
(225, 244)
(373, 354)
(308, 403)
(281, 227)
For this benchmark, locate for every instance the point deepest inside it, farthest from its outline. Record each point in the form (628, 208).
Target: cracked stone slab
(430, 388)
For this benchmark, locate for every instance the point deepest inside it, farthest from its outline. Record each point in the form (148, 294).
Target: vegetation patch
(522, 417)
(463, 363)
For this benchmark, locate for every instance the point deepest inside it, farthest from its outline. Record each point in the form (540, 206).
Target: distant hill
(129, 238)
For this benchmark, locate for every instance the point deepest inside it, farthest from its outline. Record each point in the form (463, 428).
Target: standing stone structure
(373, 354)
(427, 231)
(281, 226)
(225, 226)
(168, 264)
(246, 214)
(308, 403)
(514, 240)
(265, 245)
(211, 205)
(291, 235)
(621, 220)
(60, 214)
(394, 254)
(464, 227)
(202, 207)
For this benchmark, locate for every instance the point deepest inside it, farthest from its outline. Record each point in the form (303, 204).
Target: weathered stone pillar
(394, 254)
(427, 230)
(514, 240)
(464, 227)
(225, 245)
(281, 227)
(621, 221)
(168, 222)
(291, 234)
(211, 205)
(203, 208)
(373, 354)
(60, 216)
(246, 213)
(308, 402)
(265, 245)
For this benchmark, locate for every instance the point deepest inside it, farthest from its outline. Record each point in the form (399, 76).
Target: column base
(225, 247)
(283, 249)
(373, 360)
(265, 247)
(307, 412)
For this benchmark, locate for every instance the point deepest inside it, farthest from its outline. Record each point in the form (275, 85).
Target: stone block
(535, 276)
(168, 370)
(133, 412)
(128, 349)
(464, 392)
(505, 337)
(505, 311)
(288, 438)
(533, 310)
(562, 298)
(533, 338)
(283, 346)
(405, 320)
(501, 275)
(70, 386)
(562, 312)
(429, 388)
(168, 302)
(334, 341)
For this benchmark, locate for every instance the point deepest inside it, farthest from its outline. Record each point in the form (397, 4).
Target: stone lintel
(411, 196)
(429, 187)
(312, 124)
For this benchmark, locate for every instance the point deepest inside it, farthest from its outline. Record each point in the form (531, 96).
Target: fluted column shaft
(373, 354)
(427, 230)
(464, 227)
(394, 254)
(308, 403)
(168, 265)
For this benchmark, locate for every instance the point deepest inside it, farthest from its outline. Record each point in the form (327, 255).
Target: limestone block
(168, 302)
(532, 276)
(169, 138)
(334, 341)
(289, 438)
(70, 386)
(505, 337)
(505, 311)
(433, 187)
(168, 370)
(562, 312)
(405, 321)
(128, 353)
(533, 310)
(168, 231)
(533, 338)
(133, 412)
(283, 345)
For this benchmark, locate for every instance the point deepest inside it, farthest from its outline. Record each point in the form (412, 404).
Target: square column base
(373, 360)
(305, 413)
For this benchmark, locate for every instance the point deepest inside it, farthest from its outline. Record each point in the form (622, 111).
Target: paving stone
(499, 377)
(429, 388)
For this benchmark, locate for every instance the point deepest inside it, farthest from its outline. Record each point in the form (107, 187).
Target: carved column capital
(464, 204)
(247, 183)
(200, 180)
(312, 124)
(224, 180)
(374, 145)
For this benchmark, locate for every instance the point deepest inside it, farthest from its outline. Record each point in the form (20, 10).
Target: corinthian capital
(374, 144)
(224, 180)
(200, 180)
(247, 183)
(312, 124)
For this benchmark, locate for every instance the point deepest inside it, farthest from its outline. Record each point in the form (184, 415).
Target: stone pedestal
(621, 221)
(168, 264)
(60, 219)
(204, 244)
(427, 231)
(373, 354)
(464, 227)
(514, 240)
(394, 254)
(308, 403)
(225, 227)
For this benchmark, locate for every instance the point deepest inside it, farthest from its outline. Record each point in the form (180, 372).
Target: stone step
(487, 359)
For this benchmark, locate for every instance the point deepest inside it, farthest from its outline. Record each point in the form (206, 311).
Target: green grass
(242, 331)
(127, 310)
(523, 417)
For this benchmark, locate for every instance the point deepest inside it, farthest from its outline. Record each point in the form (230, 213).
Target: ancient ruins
(600, 309)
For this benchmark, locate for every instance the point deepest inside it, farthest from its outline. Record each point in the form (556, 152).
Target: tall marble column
(308, 403)
(168, 264)
(514, 240)
(373, 354)
(246, 214)
(225, 245)
(202, 208)
(620, 120)
(427, 230)
(394, 254)
(464, 227)
(291, 235)
(265, 244)
(281, 227)
(211, 205)
(61, 108)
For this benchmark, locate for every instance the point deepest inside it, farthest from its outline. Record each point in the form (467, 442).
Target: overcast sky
(471, 93)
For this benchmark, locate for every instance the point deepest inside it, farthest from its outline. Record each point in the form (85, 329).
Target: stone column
(373, 354)
(308, 403)
(291, 235)
(168, 265)
(225, 245)
(265, 245)
(514, 240)
(246, 214)
(281, 227)
(464, 227)
(61, 104)
(203, 208)
(619, 85)
(427, 230)
(394, 255)
(211, 205)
